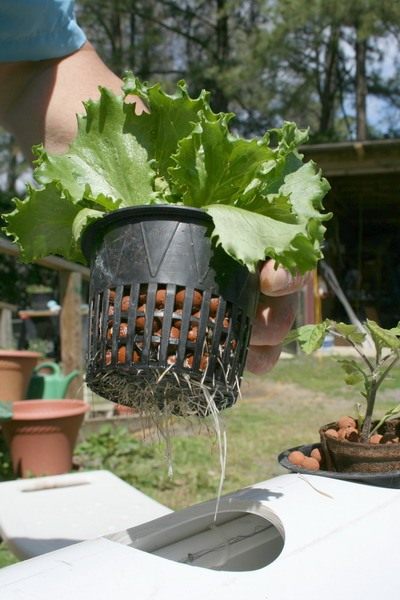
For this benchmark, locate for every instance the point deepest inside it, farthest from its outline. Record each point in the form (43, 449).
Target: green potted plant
(173, 212)
(360, 447)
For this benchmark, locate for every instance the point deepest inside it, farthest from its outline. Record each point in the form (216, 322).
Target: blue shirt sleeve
(38, 29)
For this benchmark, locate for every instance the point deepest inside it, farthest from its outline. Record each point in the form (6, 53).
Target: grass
(7, 558)
(320, 373)
(282, 409)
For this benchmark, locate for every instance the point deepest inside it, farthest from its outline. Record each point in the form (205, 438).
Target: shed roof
(363, 176)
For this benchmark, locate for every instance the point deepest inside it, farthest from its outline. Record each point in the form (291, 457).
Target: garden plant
(361, 442)
(169, 335)
(256, 199)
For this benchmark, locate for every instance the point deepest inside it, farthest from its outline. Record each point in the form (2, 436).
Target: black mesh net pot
(170, 313)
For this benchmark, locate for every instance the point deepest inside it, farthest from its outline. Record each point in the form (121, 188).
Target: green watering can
(5, 411)
(49, 386)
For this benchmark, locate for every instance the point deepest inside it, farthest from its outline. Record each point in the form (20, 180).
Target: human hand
(275, 315)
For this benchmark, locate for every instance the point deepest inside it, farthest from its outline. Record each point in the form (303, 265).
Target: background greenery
(312, 61)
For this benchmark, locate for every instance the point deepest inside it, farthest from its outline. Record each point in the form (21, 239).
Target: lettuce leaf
(42, 224)
(170, 119)
(251, 237)
(264, 200)
(213, 167)
(104, 162)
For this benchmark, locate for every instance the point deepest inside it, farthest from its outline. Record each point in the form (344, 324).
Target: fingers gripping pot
(169, 311)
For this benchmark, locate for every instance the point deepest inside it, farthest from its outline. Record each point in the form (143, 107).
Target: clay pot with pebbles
(170, 314)
(344, 450)
(341, 450)
(339, 455)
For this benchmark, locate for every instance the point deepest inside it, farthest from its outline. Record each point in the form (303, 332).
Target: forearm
(39, 100)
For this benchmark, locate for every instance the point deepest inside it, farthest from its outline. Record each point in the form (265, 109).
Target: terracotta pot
(125, 411)
(42, 435)
(16, 367)
(344, 456)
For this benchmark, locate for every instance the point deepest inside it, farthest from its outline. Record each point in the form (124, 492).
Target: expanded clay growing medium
(182, 343)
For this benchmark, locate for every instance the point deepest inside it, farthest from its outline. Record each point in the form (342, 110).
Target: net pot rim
(132, 214)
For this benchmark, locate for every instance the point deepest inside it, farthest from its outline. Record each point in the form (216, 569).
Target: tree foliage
(319, 63)
(329, 66)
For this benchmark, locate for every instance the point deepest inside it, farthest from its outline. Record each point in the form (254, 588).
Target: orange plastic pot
(42, 435)
(125, 411)
(16, 367)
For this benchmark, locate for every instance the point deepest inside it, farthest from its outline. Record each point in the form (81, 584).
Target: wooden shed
(363, 238)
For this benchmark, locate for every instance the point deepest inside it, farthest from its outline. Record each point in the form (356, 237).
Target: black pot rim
(138, 213)
(345, 476)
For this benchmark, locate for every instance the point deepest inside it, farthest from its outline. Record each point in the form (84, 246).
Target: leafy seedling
(369, 372)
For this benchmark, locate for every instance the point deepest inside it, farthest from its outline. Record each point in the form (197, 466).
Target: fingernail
(279, 280)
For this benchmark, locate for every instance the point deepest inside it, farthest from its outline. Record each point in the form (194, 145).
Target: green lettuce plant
(263, 199)
(369, 371)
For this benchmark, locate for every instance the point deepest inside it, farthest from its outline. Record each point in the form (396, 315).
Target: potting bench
(6, 312)
(71, 277)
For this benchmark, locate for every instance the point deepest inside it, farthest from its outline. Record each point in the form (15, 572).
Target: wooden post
(6, 331)
(71, 330)
(306, 309)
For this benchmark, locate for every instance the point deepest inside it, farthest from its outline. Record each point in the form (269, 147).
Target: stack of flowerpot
(40, 433)
(16, 367)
